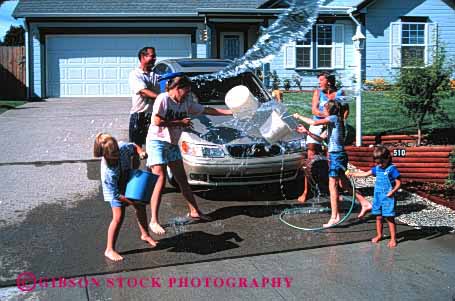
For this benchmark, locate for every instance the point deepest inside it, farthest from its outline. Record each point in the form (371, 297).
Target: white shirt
(169, 109)
(138, 80)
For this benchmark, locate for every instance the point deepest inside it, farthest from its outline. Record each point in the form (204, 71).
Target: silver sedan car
(223, 151)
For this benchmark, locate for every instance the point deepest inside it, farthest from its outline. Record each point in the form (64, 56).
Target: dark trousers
(139, 126)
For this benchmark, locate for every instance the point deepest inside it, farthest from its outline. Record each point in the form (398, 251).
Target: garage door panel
(110, 73)
(92, 73)
(75, 73)
(93, 89)
(92, 60)
(124, 89)
(75, 89)
(125, 73)
(128, 60)
(99, 65)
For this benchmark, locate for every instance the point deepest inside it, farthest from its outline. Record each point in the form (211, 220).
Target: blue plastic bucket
(140, 185)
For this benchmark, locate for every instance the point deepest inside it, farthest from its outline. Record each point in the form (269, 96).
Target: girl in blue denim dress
(115, 168)
(387, 183)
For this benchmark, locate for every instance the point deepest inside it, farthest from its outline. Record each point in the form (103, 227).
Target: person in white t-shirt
(144, 86)
(171, 114)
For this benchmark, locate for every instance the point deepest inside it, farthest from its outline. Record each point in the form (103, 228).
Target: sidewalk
(423, 269)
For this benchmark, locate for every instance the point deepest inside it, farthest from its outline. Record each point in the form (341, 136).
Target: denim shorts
(117, 204)
(162, 152)
(338, 163)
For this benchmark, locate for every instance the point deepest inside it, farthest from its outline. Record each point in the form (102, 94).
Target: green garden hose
(299, 210)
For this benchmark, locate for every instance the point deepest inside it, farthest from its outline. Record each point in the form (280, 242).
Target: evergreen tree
(15, 36)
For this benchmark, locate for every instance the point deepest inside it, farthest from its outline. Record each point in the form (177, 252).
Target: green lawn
(380, 113)
(6, 105)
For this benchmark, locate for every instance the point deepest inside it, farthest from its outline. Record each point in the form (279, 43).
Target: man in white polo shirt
(145, 87)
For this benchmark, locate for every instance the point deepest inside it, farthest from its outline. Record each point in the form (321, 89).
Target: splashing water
(291, 25)
(178, 224)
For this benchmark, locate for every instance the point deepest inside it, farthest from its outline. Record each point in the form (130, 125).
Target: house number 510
(399, 153)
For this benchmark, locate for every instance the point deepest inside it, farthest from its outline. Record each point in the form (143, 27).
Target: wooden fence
(387, 139)
(422, 164)
(12, 73)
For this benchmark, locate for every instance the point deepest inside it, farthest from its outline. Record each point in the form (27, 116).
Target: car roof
(187, 65)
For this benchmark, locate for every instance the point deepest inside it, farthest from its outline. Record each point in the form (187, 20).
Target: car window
(161, 69)
(214, 91)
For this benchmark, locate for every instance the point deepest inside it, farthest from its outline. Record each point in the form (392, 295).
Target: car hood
(220, 130)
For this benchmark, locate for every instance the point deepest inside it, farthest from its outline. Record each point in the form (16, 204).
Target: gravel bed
(412, 209)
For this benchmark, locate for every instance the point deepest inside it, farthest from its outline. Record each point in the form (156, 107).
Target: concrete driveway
(46, 151)
(49, 180)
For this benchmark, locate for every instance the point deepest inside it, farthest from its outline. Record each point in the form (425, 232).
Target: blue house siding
(309, 79)
(382, 13)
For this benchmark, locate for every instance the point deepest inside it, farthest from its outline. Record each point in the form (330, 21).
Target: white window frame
(325, 46)
(424, 45)
(310, 46)
(336, 50)
(396, 42)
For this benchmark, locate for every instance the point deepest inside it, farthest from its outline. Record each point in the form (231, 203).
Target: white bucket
(241, 102)
(275, 129)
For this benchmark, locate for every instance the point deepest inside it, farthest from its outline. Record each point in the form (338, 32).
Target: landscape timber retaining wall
(422, 164)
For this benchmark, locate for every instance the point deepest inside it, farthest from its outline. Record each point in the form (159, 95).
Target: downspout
(358, 86)
(27, 60)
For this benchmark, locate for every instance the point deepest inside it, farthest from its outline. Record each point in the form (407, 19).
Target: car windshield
(214, 91)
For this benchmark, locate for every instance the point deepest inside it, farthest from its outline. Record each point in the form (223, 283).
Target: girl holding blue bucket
(115, 169)
(170, 116)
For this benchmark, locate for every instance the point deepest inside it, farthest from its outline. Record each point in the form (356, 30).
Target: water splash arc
(291, 25)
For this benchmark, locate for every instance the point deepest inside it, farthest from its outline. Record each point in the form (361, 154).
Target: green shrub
(420, 90)
(276, 81)
(287, 84)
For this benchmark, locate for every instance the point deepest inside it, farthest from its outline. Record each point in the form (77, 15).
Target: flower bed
(442, 194)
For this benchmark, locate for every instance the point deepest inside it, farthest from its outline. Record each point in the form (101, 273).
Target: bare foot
(392, 243)
(149, 240)
(303, 198)
(331, 222)
(364, 210)
(156, 228)
(376, 239)
(112, 255)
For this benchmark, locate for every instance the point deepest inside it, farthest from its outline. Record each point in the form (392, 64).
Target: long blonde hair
(178, 82)
(106, 146)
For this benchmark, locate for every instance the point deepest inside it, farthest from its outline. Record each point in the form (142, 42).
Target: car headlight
(295, 146)
(204, 151)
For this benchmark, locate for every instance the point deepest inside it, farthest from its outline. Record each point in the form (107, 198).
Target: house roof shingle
(145, 8)
(328, 3)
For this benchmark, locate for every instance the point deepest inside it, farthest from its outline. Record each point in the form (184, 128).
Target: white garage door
(99, 65)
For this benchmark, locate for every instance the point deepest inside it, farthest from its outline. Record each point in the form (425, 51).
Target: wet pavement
(54, 222)
(247, 225)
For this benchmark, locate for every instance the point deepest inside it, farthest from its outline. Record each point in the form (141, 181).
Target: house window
(303, 52)
(413, 44)
(323, 48)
